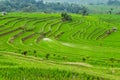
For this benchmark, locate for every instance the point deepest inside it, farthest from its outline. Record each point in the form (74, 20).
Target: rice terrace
(59, 45)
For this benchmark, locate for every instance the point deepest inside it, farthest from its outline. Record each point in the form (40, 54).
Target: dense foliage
(113, 2)
(33, 5)
(66, 17)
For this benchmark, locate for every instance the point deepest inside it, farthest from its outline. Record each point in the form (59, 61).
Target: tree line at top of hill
(34, 6)
(113, 2)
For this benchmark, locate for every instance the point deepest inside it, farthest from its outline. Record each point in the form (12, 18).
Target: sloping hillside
(44, 46)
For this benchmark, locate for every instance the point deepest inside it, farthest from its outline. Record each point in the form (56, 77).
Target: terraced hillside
(82, 49)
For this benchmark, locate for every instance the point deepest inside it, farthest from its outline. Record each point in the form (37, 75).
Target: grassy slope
(17, 65)
(103, 9)
(77, 44)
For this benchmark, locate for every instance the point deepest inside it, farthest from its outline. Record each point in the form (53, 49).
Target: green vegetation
(40, 46)
(37, 6)
(113, 2)
(66, 17)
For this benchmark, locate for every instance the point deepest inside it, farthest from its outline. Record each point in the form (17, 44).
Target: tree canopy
(33, 5)
(113, 2)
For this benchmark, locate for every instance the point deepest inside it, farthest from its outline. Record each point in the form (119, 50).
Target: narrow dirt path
(79, 64)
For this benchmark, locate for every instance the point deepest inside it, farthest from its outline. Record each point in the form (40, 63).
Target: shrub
(54, 54)
(66, 17)
(24, 53)
(65, 57)
(35, 53)
(84, 11)
(83, 59)
(47, 56)
(118, 13)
